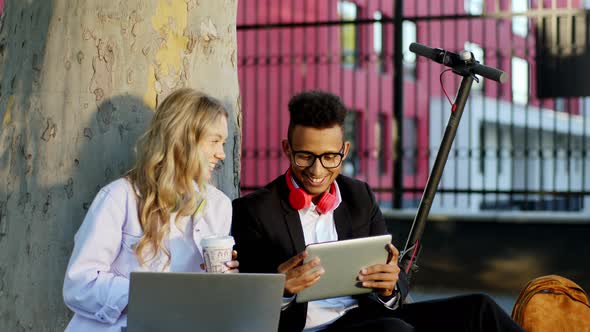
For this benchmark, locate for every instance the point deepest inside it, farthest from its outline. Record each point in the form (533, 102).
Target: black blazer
(268, 232)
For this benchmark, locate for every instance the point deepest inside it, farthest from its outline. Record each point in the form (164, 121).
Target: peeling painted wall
(78, 84)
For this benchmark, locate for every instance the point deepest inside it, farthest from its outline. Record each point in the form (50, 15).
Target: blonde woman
(154, 218)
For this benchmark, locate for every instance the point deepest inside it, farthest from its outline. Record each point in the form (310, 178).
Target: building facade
(515, 149)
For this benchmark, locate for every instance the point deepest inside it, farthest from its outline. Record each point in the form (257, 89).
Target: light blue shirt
(96, 284)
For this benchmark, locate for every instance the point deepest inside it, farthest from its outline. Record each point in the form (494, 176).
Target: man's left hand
(382, 277)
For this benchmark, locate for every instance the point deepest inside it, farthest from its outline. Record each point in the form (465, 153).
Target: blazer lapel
(291, 218)
(343, 221)
(295, 230)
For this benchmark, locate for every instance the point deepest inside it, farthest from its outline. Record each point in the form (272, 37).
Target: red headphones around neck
(300, 199)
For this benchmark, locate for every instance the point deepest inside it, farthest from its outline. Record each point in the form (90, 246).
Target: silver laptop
(204, 302)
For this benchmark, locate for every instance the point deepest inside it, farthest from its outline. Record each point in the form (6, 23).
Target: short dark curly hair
(317, 109)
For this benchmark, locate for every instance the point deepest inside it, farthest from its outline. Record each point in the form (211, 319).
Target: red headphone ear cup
(299, 199)
(326, 203)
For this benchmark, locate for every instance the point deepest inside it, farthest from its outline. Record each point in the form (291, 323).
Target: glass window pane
(377, 34)
(409, 146)
(347, 11)
(473, 7)
(520, 81)
(381, 143)
(378, 42)
(408, 37)
(520, 23)
(351, 164)
(478, 53)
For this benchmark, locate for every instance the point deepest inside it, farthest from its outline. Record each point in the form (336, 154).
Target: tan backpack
(552, 303)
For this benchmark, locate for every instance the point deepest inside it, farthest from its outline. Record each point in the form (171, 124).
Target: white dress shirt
(321, 228)
(96, 285)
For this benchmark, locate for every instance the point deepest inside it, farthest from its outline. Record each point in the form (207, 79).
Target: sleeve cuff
(117, 300)
(390, 303)
(108, 314)
(287, 301)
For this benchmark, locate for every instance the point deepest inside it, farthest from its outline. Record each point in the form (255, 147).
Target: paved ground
(497, 258)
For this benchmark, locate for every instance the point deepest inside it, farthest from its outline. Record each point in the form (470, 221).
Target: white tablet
(342, 262)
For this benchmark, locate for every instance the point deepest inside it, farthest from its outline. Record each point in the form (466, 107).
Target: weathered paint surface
(8, 113)
(170, 22)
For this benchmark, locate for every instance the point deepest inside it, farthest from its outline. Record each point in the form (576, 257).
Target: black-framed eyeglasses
(328, 159)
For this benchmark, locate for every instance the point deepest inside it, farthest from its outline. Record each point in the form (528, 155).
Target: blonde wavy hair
(169, 162)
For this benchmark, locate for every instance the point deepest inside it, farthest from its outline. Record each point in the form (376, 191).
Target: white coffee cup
(217, 250)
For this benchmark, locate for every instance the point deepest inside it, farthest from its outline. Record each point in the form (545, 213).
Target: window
(560, 105)
(520, 24)
(349, 33)
(408, 37)
(577, 145)
(410, 148)
(351, 164)
(491, 139)
(473, 7)
(382, 143)
(520, 81)
(479, 56)
(378, 41)
(482, 149)
(584, 103)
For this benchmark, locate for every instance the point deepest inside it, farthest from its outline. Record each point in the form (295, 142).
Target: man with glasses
(313, 203)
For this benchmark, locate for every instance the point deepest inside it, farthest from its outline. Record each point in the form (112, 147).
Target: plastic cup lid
(221, 241)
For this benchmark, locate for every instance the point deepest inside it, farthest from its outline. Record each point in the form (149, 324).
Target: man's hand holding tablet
(382, 277)
(299, 276)
(342, 268)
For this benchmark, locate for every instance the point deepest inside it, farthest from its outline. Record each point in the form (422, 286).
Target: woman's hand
(233, 264)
